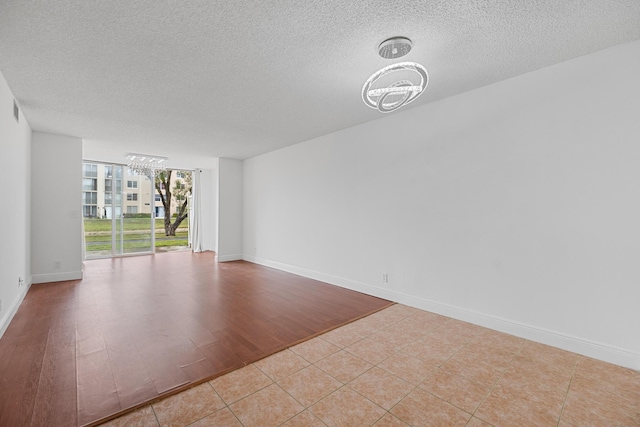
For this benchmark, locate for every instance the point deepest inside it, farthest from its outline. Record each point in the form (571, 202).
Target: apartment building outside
(109, 190)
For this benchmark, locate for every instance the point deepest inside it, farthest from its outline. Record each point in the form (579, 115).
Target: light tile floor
(403, 366)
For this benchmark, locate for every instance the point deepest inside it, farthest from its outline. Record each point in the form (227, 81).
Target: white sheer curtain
(195, 222)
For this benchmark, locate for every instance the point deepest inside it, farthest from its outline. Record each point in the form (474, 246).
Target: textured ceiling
(204, 79)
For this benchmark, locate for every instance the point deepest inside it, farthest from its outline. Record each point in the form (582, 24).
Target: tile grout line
(356, 391)
(229, 407)
(496, 383)
(154, 414)
(566, 395)
(250, 394)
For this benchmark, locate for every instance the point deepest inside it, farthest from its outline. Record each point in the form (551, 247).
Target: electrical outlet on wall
(57, 265)
(20, 282)
(385, 277)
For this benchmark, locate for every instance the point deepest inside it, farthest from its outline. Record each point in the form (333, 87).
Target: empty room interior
(439, 184)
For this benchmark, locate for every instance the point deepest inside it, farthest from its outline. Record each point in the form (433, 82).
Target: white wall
(229, 205)
(209, 178)
(56, 202)
(515, 206)
(15, 150)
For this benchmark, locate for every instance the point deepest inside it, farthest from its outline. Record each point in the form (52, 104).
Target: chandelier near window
(385, 95)
(144, 164)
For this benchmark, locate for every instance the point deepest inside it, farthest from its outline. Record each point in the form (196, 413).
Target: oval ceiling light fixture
(395, 95)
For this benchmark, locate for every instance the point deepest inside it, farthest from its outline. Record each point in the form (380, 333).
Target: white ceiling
(202, 79)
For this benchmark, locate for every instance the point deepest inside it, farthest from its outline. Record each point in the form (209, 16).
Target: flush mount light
(378, 93)
(395, 47)
(146, 165)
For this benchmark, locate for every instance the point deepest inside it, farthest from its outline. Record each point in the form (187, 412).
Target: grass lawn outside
(128, 246)
(136, 235)
(96, 225)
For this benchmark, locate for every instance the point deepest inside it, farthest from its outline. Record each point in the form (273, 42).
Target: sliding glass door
(137, 217)
(118, 211)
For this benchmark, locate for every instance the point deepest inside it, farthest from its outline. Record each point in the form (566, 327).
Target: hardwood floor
(138, 328)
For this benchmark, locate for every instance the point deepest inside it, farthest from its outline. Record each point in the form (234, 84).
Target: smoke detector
(395, 47)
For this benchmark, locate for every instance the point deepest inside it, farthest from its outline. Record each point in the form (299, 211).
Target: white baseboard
(232, 257)
(589, 348)
(596, 350)
(56, 277)
(327, 278)
(6, 319)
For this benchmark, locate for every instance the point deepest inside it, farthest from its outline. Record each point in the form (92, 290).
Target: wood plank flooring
(138, 328)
